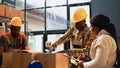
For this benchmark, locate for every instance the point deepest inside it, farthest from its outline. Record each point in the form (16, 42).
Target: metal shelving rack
(4, 19)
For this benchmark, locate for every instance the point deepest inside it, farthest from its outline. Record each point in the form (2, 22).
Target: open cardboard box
(17, 60)
(53, 60)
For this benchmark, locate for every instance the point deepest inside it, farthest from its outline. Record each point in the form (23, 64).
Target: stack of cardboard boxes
(10, 12)
(48, 60)
(17, 60)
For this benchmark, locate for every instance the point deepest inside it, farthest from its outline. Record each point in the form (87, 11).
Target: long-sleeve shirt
(102, 52)
(74, 34)
(80, 39)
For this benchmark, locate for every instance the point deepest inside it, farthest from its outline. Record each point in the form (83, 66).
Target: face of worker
(15, 30)
(94, 30)
(80, 25)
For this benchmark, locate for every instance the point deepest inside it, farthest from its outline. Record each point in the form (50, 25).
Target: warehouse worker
(2, 32)
(78, 33)
(14, 39)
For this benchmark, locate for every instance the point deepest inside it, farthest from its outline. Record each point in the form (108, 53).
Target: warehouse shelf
(4, 19)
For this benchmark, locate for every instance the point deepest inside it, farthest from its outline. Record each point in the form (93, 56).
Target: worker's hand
(80, 64)
(53, 49)
(47, 44)
(53, 46)
(83, 59)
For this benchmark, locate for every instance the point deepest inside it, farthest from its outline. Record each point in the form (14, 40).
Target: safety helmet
(79, 15)
(35, 64)
(16, 21)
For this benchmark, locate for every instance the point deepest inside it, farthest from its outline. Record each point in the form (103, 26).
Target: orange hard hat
(79, 15)
(16, 21)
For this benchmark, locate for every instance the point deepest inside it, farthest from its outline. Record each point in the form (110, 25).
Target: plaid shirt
(76, 37)
(16, 43)
(81, 39)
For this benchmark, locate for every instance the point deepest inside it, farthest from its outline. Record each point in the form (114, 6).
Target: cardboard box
(17, 60)
(21, 14)
(2, 10)
(13, 12)
(49, 60)
(8, 11)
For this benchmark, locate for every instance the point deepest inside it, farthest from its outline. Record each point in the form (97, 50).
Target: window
(30, 4)
(78, 1)
(35, 43)
(55, 2)
(54, 37)
(56, 18)
(35, 20)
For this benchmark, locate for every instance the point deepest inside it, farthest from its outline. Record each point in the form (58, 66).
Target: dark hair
(103, 22)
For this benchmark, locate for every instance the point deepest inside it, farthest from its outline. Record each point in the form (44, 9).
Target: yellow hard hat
(79, 15)
(16, 21)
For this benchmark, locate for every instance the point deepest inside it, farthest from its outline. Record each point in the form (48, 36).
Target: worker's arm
(64, 38)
